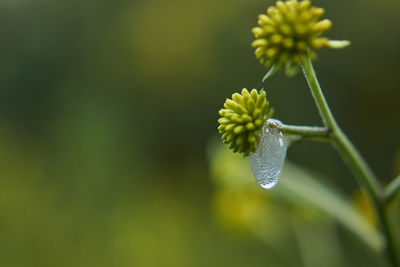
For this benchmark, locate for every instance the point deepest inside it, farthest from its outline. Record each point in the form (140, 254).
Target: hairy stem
(352, 157)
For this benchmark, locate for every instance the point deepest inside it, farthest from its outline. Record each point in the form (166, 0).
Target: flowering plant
(286, 37)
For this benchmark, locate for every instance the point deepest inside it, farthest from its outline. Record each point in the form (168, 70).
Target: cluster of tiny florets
(242, 119)
(288, 31)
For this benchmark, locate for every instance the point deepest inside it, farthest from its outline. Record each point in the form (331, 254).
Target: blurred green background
(108, 117)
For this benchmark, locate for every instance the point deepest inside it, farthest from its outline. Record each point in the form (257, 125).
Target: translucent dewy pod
(267, 161)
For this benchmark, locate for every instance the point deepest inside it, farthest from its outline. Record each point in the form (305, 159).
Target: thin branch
(306, 132)
(366, 178)
(357, 164)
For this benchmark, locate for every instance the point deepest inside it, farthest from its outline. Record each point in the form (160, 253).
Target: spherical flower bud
(242, 119)
(288, 31)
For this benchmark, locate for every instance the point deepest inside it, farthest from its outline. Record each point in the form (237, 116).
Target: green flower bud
(242, 119)
(288, 31)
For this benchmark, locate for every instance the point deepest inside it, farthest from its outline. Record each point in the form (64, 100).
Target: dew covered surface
(268, 160)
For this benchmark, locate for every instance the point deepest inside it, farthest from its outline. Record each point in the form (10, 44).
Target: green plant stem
(352, 157)
(392, 190)
(306, 132)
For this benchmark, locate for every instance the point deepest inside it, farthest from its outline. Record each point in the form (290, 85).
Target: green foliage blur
(108, 110)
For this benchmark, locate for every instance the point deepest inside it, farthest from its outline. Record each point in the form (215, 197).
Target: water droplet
(267, 161)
